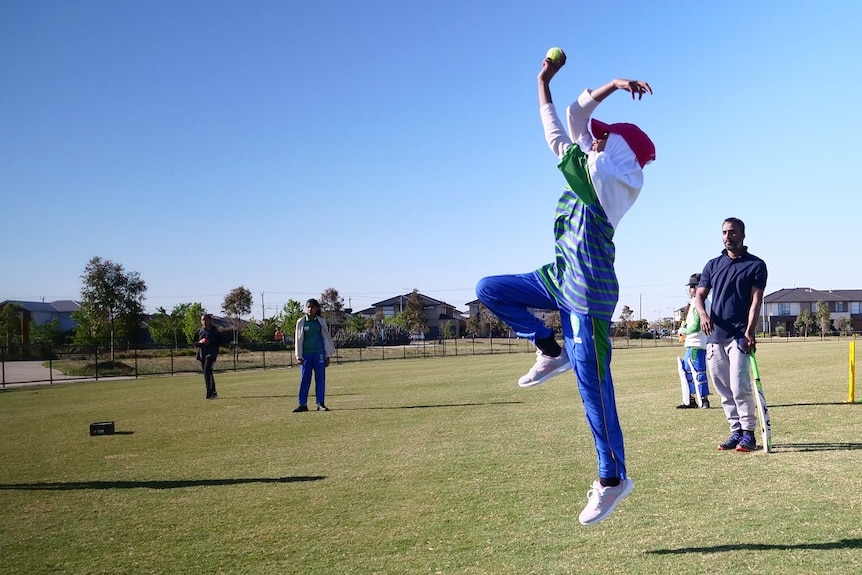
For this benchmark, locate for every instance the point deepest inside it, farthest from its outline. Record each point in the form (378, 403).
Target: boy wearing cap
(604, 172)
(693, 364)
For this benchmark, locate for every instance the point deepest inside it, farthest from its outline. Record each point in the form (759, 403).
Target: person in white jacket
(313, 347)
(693, 364)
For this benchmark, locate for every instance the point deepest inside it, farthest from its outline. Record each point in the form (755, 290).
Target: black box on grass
(102, 428)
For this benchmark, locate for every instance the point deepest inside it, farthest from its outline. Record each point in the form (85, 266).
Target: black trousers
(207, 362)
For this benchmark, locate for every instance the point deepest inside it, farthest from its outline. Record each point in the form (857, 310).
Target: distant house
(438, 312)
(42, 312)
(542, 314)
(781, 308)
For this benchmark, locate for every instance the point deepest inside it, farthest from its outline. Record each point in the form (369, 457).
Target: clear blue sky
(381, 146)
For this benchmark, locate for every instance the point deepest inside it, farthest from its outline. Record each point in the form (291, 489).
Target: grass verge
(427, 466)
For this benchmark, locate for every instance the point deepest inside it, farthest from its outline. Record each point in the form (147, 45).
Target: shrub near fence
(80, 362)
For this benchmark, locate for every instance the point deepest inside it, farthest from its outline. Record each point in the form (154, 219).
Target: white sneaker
(545, 368)
(602, 500)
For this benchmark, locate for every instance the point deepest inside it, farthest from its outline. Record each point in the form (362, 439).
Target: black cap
(693, 280)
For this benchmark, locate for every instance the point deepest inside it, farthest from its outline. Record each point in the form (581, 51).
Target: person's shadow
(826, 545)
(152, 484)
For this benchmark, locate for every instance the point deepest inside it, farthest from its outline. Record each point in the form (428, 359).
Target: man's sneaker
(731, 442)
(705, 404)
(321, 407)
(602, 500)
(545, 368)
(748, 442)
(300, 408)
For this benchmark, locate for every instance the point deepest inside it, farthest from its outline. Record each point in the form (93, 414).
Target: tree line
(112, 313)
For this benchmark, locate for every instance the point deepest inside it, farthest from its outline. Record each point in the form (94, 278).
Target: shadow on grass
(285, 395)
(812, 404)
(432, 405)
(816, 446)
(168, 484)
(840, 544)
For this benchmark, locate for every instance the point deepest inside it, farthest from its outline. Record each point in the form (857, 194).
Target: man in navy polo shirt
(736, 280)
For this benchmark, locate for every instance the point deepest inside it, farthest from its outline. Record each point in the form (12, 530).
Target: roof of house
(61, 310)
(799, 295)
(58, 306)
(402, 299)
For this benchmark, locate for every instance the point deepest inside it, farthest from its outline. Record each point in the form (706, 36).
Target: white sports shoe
(545, 368)
(602, 500)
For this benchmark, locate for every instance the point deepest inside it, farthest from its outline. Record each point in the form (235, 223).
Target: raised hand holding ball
(556, 56)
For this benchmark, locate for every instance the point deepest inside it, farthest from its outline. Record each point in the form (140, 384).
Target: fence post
(136, 362)
(3, 363)
(96, 361)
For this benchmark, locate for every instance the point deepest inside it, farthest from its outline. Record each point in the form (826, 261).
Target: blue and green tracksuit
(581, 283)
(313, 362)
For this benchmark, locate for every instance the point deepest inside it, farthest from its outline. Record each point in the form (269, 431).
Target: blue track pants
(312, 363)
(589, 348)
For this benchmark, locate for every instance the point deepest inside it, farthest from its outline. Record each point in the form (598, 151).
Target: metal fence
(51, 364)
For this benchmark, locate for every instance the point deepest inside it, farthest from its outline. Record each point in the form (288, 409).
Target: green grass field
(428, 466)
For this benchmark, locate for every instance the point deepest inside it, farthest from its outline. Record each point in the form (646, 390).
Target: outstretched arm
(548, 71)
(638, 87)
(555, 135)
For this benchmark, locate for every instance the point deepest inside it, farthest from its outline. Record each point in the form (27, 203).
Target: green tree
(447, 330)
(474, 322)
(10, 324)
(112, 301)
(398, 319)
(824, 318)
(292, 311)
(843, 325)
(494, 325)
(414, 314)
(379, 316)
(49, 333)
(192, 320)
(237, 304)
(332, 308)
(357, 324)
(804, 322)
(625, 322)
(167, 328)
(252, 332)
(269, 325)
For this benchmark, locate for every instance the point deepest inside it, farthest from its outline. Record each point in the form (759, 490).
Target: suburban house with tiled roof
(40, 312)
(437, 312)
(781, 308)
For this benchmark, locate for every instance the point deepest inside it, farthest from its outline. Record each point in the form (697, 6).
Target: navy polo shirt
(730, 281)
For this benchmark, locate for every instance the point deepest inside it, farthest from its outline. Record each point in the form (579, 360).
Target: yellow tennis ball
(555, 55)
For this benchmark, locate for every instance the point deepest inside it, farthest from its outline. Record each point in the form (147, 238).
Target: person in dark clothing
(208, 341)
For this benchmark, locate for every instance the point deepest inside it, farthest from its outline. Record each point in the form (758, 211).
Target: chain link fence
(49, 364)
